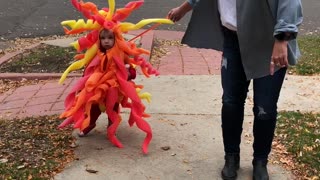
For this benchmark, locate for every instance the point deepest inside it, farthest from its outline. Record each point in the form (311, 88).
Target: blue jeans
(235, 88)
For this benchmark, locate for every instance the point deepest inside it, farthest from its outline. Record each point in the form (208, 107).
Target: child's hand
(131, 72)
(177, 13)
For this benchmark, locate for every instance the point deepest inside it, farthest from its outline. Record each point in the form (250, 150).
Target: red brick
(214, 61)
(164, 61)
(210, 53)
(196, 71)
(147, 40)
(198, 62)
(58, 112)
(21, 96)
(68, 81)
(12, 104)
(53, 85)
(169, 35)
(170, 70)
(63, 96)
(171, 61)
(58, 106)
(173, 51)
(166, 73)
(213, 58)
(67, 91)
(175, 62)
(28, 88)
(170, 67)
(74, 81)
(215, 71)
(2, 97)
(36, 110)
(49, 92)
(42, 100)
(190, 52)
(10, 113)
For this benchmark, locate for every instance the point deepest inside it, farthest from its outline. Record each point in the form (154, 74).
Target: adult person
(258, 40)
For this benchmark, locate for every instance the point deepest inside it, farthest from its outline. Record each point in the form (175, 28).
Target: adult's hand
(279, 55)
(177, 13)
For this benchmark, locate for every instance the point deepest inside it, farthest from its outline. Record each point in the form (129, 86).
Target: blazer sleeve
(193, 3)
(289, 17)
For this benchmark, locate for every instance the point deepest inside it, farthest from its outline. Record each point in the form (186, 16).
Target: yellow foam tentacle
(112, 6)
(146, 96)
(130, 26)
(103, 13)
(76, 45)
(69, 23)
(92, 24)
(90, 53)
(81, 24)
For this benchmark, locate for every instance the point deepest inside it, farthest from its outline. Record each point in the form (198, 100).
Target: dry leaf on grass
(160, 49)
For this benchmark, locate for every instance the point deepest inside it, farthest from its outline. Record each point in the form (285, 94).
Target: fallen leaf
(73, 145)
(3, 160)
(29, 177)
(165, 148)
(91, 171)
(21, 167)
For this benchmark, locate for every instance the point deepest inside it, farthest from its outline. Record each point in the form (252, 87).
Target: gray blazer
(257, 23)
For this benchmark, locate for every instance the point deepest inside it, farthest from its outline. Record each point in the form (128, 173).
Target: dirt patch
(160, 50)
(42, 59)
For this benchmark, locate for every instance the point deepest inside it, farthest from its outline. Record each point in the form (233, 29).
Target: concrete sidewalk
(185, 116)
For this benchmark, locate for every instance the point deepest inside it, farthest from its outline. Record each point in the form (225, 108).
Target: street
(34, 18)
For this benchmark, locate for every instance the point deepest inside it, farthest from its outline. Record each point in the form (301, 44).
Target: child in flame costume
(105, 81)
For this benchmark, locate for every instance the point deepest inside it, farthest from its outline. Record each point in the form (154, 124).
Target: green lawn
(300, 133)
(309, 63)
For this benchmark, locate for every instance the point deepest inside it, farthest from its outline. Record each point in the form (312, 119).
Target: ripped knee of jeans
(224, 63)
(263, 113)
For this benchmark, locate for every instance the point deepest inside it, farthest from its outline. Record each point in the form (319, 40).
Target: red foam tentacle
(123, 13)
(137, 107)
(111, 100)
(66, 122)
(76, 88)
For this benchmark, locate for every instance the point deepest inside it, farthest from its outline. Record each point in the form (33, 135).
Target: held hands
(177, 13)
(279, 55)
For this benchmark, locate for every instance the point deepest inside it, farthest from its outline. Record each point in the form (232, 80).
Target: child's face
(107, 39)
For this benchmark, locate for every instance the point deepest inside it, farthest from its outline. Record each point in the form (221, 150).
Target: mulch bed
(33, 148)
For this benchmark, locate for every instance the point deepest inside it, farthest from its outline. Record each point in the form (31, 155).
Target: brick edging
(8, 56)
